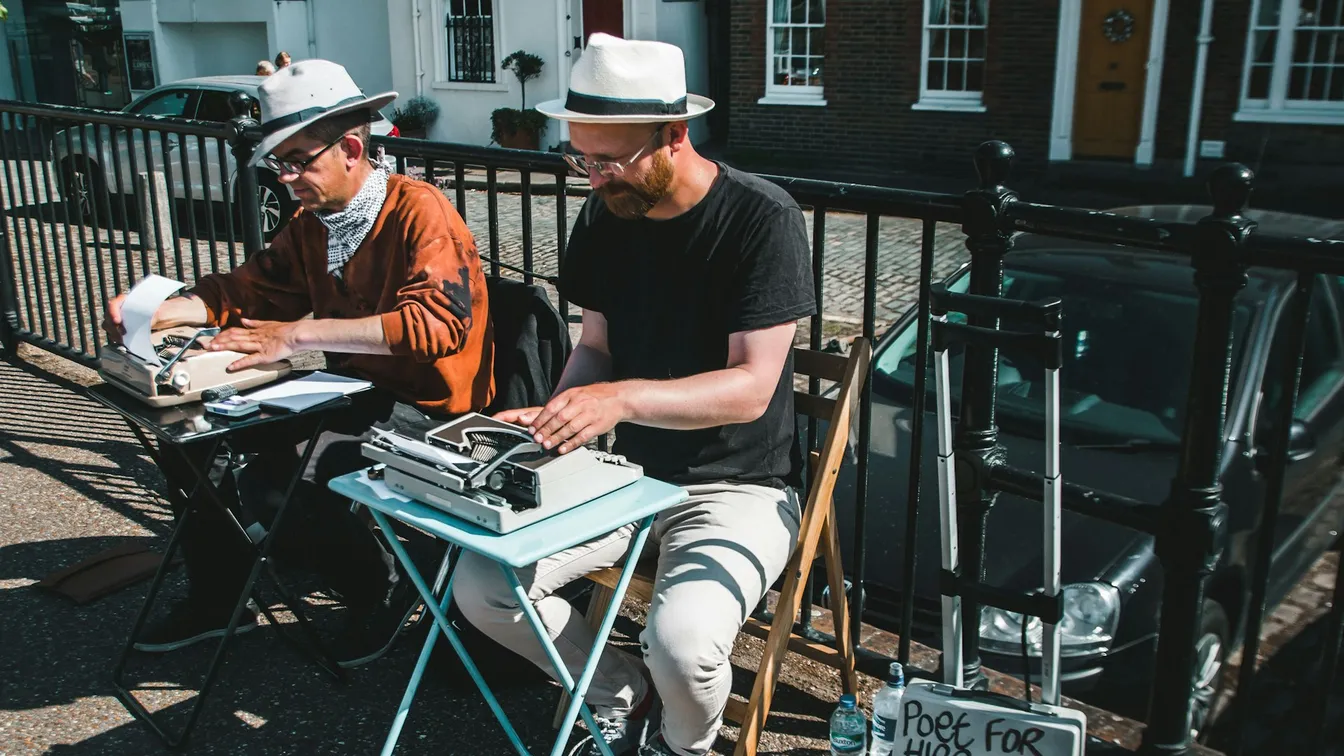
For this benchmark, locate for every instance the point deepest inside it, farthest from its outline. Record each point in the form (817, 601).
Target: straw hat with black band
(627, 81)
(303, 93)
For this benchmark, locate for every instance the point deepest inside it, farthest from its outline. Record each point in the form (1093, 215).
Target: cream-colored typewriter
(186, 369)
(492, 473)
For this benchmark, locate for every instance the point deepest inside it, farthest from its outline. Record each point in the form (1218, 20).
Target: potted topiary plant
(519, 129)
(416, 117)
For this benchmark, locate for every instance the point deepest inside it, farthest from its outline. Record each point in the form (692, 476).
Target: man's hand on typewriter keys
(262, 341)
(573, 417)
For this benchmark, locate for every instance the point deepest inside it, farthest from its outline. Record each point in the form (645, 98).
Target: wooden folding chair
(817, 533)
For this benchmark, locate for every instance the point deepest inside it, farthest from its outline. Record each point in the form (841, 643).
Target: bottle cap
(896, 675)
(847, 701)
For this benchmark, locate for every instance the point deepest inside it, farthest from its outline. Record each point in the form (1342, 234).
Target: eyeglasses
(582, 165)
(296, 168)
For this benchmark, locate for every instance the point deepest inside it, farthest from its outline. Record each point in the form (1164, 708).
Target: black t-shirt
(672, 291)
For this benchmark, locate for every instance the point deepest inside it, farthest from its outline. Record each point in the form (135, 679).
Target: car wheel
(1211, 651)
(275, 205)
(81, 186)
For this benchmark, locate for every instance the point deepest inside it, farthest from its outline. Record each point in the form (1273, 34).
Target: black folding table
(173, 428)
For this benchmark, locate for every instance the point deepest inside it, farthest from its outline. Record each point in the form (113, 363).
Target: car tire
(1212, 649)
(275, 204)
(81, 186)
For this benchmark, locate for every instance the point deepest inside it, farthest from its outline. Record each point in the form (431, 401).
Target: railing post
(9, 309)
(246, 134)
(1191, 540)
(977, 442)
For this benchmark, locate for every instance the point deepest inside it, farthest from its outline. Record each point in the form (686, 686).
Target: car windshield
(1127, 351)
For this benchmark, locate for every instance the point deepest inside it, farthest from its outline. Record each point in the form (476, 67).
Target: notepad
(309, 391)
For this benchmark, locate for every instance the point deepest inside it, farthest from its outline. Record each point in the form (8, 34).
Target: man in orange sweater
(390, 274)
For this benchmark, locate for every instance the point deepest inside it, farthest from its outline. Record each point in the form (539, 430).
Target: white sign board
(939, 720)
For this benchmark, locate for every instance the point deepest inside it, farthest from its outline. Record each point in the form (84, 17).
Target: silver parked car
(86, 167)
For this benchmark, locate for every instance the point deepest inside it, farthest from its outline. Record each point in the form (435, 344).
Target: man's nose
(286, 177)
(596, 179)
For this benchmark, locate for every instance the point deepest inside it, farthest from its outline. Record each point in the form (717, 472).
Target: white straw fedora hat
(304, 92)
(627, 81)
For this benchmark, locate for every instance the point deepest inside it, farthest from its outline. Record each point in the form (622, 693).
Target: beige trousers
(718, 553)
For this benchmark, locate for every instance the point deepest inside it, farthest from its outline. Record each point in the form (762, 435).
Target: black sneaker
(191, 622)
(369, 634)
(624, 735)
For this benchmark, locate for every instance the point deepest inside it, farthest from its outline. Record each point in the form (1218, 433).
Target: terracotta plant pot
(520, 140)
(412, 133)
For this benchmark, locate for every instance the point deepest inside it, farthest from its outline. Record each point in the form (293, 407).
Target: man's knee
(688, 637)
(481, 592)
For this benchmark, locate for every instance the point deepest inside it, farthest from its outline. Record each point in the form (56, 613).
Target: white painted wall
(211, 37)
(535, 26)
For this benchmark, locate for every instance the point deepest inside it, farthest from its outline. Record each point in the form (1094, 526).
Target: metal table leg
(439, 607)
(313, 649)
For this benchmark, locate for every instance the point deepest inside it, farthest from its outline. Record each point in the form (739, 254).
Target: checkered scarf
(347, 228)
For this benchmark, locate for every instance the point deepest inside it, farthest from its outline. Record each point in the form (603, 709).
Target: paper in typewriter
(137, 314)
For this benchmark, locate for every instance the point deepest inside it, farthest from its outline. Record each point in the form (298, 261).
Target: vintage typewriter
(492, 473)
(187, 368)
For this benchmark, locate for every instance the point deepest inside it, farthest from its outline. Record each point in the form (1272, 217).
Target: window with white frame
(469, 52)
(795, 51)
(953, 74)
(1294, 62)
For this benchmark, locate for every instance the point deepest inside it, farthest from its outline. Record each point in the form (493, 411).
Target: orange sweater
(418, 269)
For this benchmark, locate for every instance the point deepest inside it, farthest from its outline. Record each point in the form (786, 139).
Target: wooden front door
(603, 16)
(1112, 71)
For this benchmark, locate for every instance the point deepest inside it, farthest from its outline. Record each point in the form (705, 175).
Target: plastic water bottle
(849, 729)
(887, 712)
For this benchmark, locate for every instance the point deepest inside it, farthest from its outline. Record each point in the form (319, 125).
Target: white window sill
(471, 86)
(951, 106)
(816, 102)
(1320, 117)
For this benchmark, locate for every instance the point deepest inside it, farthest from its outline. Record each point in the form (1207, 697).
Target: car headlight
(1091, 614)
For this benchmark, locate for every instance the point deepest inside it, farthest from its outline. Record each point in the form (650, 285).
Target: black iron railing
(69, 245)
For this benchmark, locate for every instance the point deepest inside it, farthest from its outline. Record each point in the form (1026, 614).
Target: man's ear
(354, 150)
(677, 134)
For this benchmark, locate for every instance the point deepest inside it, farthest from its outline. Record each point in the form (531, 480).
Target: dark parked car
(1128, 334)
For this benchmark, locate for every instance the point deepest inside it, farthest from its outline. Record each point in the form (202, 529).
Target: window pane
(486, 7)
(956, 72)
(1302, 46)
(936, 74)
(798, 74)
(937, 43)
(814, 76)
(781, 11)
(1316, 84)
(1258, 87)
(782, 41)
(817, 44)
(798, 14)
(816, 13)
(1332, 12)
(975, 77)
(1336, 88)
(938, 11)
(956, 11)
(979, 12)
(1297, 83)
(799, 43)
(1269, 13)
(976, 46)
(1325, 43)
(781, 70)
(1263, 49)
(956, 44)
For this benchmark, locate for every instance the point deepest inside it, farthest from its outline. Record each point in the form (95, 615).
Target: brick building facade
(1068, 83)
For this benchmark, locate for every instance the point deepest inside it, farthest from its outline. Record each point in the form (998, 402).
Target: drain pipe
(312, 29)
(415, 35)
(565, 57)
(1204, 39)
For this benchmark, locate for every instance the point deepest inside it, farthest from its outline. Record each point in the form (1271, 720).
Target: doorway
(606, 16)
(1113, 52)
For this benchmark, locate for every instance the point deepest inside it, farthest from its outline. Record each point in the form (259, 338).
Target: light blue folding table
(638, 502)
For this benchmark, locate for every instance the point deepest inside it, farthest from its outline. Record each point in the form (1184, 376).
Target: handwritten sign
(938, 720)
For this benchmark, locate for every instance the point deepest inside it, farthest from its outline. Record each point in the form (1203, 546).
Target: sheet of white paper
(313, 383)
(425, 451)
(137, 313)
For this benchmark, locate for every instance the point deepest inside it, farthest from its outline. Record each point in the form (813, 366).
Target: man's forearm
(707, 400)
(186, 310)
(352, 336)
(586, 366)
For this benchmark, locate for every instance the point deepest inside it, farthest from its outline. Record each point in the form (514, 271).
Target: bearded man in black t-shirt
(692, 277)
